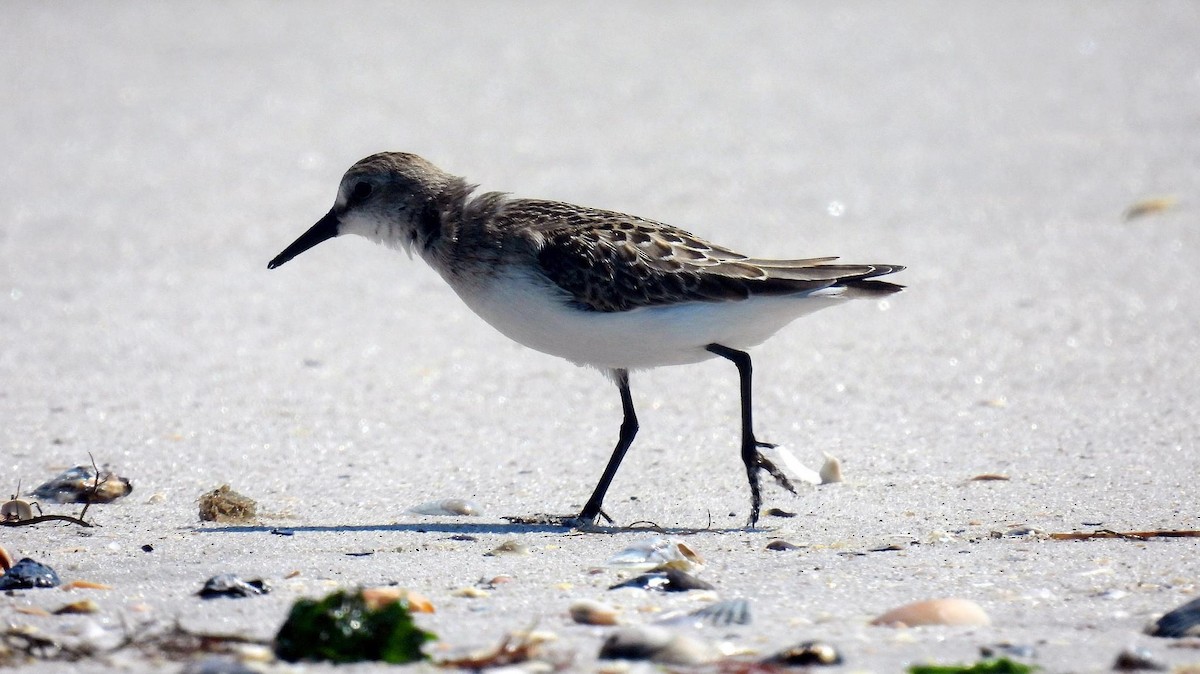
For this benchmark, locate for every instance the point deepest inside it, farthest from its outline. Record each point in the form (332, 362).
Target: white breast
(529, 310)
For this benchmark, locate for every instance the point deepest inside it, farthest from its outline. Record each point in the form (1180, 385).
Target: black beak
(326, 228)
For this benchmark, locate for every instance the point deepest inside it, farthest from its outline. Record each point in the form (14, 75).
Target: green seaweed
(342, 628)
(1000, 666)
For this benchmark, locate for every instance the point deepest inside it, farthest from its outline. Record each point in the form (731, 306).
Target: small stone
(27, 574)
(950, 611)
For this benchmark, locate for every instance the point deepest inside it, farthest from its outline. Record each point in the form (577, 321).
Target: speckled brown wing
(608, 261)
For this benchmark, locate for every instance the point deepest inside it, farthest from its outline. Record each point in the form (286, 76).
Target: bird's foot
(767, 465)
(580, 522)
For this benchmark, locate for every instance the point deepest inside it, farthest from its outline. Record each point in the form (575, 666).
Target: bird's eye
(361, 191)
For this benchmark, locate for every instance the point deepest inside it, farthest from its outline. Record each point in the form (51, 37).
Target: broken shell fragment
(950, 611)
(790, 465)
(16, 510)
(509, 547)
(378, 597)
(831, 470)
(657, 644)
(6, 560)
(229, 585)
(588, 612)
(1181, 622)
(223, 504)
(81, 485)
(28, 574)
(448, 507)
(807, 653)
(656, 553)
(780, 545)
(84, 585)
(78, 607)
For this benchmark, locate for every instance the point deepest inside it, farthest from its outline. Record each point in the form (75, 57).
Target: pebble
(448, 507)
(1181, 622)
(950, 611)
(27, 574)
(229, 585)
(657, 644)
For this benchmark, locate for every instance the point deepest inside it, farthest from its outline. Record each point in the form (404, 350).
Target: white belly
(530, 312)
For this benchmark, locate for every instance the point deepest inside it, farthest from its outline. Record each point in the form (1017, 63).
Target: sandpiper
(598, 288)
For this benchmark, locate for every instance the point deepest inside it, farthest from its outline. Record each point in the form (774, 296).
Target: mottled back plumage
(610, 261)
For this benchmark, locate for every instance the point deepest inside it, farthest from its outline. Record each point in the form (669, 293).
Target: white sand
(155, 157)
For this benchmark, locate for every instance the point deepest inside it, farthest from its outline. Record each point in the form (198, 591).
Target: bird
(599, 288)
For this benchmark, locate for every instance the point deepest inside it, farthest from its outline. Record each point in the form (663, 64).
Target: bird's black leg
(629, 428)
(753, 459)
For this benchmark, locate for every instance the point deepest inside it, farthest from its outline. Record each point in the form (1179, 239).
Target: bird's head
(390, 198)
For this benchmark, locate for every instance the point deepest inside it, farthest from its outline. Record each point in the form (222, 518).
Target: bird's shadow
(458, 528)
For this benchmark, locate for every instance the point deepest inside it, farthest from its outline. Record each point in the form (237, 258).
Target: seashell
(448, 507)
(16, 510)
(949, 611)
(81, 485)
(226, 505)
(657, 644)
(780, 545)
(78, 607)
(28, 574)
(789, 464)
(656, 553)
(84, 585)
(588, 612)
(377, 597)
(1149, 206)
(229, 585)
(470, 592)
(718, 614)
(6, 560)
(670, 580)
(30, 610)
(776, 512)
(807, 653)
(831, 470)
(1181, 622)
(509, 547)
(1135, 658)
